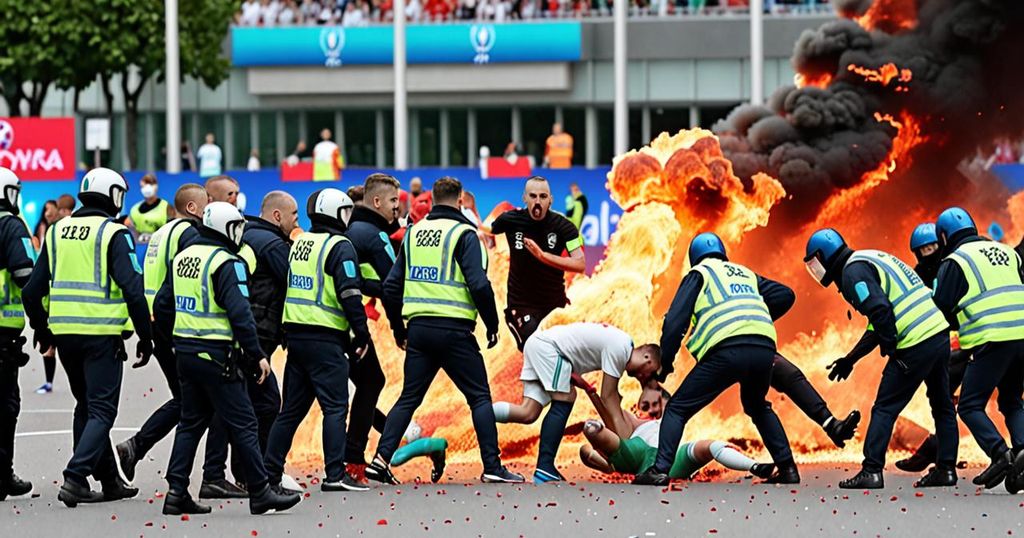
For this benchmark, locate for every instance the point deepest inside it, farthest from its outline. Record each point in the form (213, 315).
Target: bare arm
(575, 263)
(612, 401)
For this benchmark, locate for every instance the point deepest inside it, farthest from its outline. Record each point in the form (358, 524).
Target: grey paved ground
(729, 506)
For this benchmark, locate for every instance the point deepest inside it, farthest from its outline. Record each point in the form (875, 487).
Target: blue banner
(335, 46)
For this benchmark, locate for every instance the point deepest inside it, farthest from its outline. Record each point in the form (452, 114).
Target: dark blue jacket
(17, 251)
(370, 235)
(269, 283)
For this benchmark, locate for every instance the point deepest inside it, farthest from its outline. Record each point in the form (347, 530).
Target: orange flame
(883, 75)
(891, 16)
(820, 81)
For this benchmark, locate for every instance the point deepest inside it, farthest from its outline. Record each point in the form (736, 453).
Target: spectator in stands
(188, 159)
(354, 15)
(309, 11)
(250, 14)
(210, 157)
(511, 153)
(558, 152)
(268, 12)
(289, 13)
(415, 188)
(254, 161)
(300, 152)
(327, 159)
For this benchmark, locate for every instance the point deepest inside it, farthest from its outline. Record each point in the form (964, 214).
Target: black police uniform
(318, 368)
(18, 254)
(534, 288)
(746, 360)
(214, 385)
(436, 343)
(267, 286)
(370, 235)
(93, 364)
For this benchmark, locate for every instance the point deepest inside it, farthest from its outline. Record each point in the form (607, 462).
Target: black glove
(143, 351)
(42, 339)
(249, 365)
(492, 339)
(14, 349)
(840, 369)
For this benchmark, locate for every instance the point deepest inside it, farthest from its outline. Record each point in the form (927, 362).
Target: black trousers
(996, 365)
(166, 417)
(94, 373)
(368, 377)
(205, 390)
(10, 407)
(928, 363)
(523, 321)
(429, 350)
(958, 361)
(315, 370)
(790, 380)
(723, 367)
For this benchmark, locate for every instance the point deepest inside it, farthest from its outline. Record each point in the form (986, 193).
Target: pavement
(721, 503)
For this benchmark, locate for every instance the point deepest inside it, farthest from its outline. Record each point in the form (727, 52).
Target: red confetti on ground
(113, 517)
(713, 531)
(447, 522)
(254, 533)
(185, 517)
(158, 495)
(382, 522)
(550, 504)
(893, 498)
(306, 494)
(148, 524)
(793, 491)
(919, 494)
(321, 524)
(713, 509)
(611, 502)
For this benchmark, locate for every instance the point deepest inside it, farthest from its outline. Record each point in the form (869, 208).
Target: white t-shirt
(253, 165)
(591, 347)
(648, 431)
(250, 13)
(209, 156)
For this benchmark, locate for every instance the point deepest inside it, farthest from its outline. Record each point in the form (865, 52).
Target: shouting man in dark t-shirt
(537, 237)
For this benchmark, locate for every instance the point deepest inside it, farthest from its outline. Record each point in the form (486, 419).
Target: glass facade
(536, 126)
(429, 137)
(458, 137)
(494, 129)
(360, 137)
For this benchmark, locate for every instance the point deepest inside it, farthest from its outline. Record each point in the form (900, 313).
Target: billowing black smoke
(967, 61)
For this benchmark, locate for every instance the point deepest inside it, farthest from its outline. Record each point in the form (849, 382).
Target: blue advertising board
(335, 46)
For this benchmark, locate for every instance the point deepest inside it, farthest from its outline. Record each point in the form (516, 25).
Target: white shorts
(544, 371)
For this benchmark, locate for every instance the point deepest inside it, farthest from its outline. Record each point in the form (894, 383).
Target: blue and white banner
(335, 46)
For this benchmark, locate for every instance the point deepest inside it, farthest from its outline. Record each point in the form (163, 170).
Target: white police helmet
(10, 190)
(224, 219)
(106, 183)
(330, 203)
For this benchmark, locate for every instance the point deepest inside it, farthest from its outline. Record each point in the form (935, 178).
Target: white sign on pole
(97, 134)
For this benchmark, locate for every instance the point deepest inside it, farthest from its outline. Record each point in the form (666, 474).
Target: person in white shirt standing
(250, 13)
(327, 160)
(553, 360)
(210, 157)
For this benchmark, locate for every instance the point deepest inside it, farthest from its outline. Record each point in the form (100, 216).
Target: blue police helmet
(952, 221)
(705, 245)
(923, 235)
(822, 248)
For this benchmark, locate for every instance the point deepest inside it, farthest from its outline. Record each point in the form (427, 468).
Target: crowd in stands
(365, 12)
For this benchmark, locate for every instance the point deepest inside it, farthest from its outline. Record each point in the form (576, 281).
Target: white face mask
(148, 191)
(816, 269)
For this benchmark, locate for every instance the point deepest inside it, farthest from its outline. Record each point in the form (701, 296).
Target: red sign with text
(38, 148)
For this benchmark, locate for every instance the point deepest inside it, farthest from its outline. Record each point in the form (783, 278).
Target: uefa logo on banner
(481, 36)
(6, 135)
(332, 41)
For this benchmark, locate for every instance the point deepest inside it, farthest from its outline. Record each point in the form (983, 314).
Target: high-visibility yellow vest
(160, 253)
(197, 314)
(434, 283)
(150, 221)
(917, 317)
(248, 256)
(84, 299)
(992, 310)
(12, 312)
(729, 305)
(311, 298)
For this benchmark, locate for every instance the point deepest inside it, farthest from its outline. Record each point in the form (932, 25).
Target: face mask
(148, 191)
(816, 269)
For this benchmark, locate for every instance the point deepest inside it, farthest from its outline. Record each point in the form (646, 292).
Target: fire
(884, 75)
(891, 16)
(801, 80)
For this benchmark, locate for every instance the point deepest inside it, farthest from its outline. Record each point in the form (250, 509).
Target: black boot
(71, 494)
(763, 470)
(651, 477)
(864, 480)
(787, 473)
(221, 489)
(921, 458)
(937, 477)
(1015, 478)
(127, 459)
(994, 474)
(14, 486)
(117, 489)
(268, 499)
(841, 431)
(438, 458)
(379, 471)
(176, 504)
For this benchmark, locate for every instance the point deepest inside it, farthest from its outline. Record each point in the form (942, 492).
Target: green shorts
(635, 455)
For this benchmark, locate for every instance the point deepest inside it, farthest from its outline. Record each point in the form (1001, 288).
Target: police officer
(440, 280)
(924, 243)
(152, 212)
(733, 341)
(909, 329)
(15, 267)
(323, 305)
(171, 238)
(205, 306)
(373, 221)
(980, 289)
(94, 282)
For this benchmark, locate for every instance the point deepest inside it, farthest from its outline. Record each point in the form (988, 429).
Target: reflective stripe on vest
(434, 283)
(992, 310)
(83, 297)
(917, 317)
(728, 305)
(163, 246)
(150, 221)
(197, 314)
(12, 312)
(311, 298)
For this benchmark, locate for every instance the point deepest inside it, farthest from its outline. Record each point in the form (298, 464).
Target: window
(268, 139)
(242, 133)
(605, 136)
(429, 137)
(360, 137)
(292, 135)
(574, 122)
(493, 129)
(536, 125)
(389, 138)
(636, 138)
(668, 120)
(709, 115)
(458, 138)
